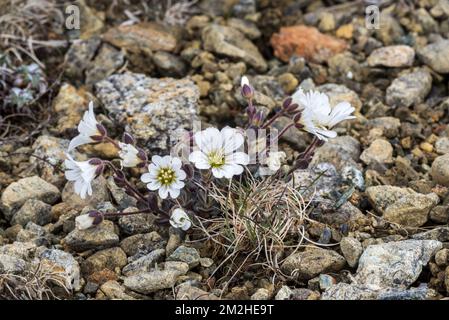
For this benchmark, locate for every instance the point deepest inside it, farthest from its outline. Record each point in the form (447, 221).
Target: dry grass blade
(35, 284)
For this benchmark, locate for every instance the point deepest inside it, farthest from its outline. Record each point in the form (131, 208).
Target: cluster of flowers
(218, 152)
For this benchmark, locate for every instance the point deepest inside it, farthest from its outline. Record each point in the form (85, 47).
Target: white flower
(318, 117)
(180, 219)
(275, 159)
(87, 129)
(129, 155)
(84, 221)
(82, 173)
(165, 174)
(217, 151)
(244, 81)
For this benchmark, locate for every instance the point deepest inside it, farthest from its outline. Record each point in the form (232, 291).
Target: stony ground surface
(381, 212)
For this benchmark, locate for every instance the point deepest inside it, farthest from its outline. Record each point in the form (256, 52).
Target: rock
(99, 237)
(53, 150)
(114, 291)
(395, 264)
(107, 61)
(446, 279)
(435, 56)
(442, 257)
(136, 223)
(352, 250)
(187, 292)
(261, 294)
(99, 195)
(65, 265)
(34, 233)
(379, 152)
(442, 145)
(153, 109)
(123, 200)
(390, 126)
(144, 263)
(284, 293)
(173, 242)
(17, 193)
(310, 263)
(391, 31)
(439, 214)
(33, 210)
(409, 89)
(12, 265)
(232, 43)
(142, 243)
(288, 82)
(111, 259)
(149, 282)
(91, 21)
(392, 56)
(248, 28)
(186, 254)
(169, 65)
(323, 177)
(440, 170)
(305, 42)
(339, 93)
(143, 38)
(79, 56)
(440, 9)
(402, 205)
(22, 250)
(438, 234)
(341, 152)
(386, 271)
(69, 105)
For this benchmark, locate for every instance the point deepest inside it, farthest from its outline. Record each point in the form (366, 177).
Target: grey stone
(99, 237)
(186, 254)
(352, 250)
(392, 56)
(99, 195)
(144, 263)
(12, 265)
(112, 259)
(154, 109)
(409, 89)
(440, 170)
(149, 282)
(435, 56)
(33, 210)
(64, 264)
(341, 152)
(17, 193)
(230, 42)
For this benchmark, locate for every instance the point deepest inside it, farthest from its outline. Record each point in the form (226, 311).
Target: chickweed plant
(230, 189)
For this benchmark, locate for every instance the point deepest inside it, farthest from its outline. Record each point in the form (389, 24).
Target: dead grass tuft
(39, 283)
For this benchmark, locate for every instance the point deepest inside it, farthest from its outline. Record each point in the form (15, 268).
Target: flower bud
(142, 155)
(247, 89)
(297, 117)
(97, 215)
(287, 102)
(128, 138)
(95, 161)
(102, 130)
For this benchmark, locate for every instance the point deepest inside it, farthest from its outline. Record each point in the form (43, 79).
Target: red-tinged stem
(121, 213)
(274, 118)
(112, 141)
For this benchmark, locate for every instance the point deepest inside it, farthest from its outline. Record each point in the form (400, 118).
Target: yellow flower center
(216, 159)
(166, 176)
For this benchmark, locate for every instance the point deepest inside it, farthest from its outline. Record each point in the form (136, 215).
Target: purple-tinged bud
(247, 91)
(299, 126)
(97, 138)
(102, 130)
(142, 155)
(293, 107)
(99, 170)
(258, 118)
(95, 161)
(128, 138)
(97, 215)
(287, 102)
(297, 117)
(320, 143)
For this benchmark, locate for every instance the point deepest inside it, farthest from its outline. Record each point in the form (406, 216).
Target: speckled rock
(114, 291)
(144, 263)
(324, 187)
(352, 250)
(312, 262)
(392, 56)
(230, 42)
(440, 170)
(149, 282)
(435, 56)
(146, 242)
(142, 38)
(339, 93)
(402, 205)
(409, 89)
(64, 264)
(111, 259)
(136, 223)
(17, 193)
(379, 152)
(33, 210)
(343, 151)
(12, 264)
(99, 237)
(442, 145)
(154, 109)
(107, 61)
(187, 292)
(186, 254)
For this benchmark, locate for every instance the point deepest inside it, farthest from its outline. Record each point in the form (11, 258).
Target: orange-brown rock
(305, 42)
(142, 38)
